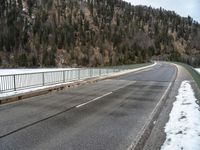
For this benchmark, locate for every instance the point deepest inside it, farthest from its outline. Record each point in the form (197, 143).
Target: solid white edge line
(132, 146)
(103, 95)
(97, 98)
(166, 91)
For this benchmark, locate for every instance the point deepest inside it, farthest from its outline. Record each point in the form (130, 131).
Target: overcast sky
(182, 7)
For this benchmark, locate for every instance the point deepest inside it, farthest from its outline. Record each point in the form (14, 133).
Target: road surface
(106, 115)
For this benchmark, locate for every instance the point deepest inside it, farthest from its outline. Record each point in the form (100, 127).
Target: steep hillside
(93, 33)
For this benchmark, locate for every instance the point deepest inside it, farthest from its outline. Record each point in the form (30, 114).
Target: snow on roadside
(183, 127)
(198, 70)
(22, 71)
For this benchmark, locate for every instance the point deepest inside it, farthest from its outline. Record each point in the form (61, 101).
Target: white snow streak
(198, 70)
(183, 127)
(22, 71)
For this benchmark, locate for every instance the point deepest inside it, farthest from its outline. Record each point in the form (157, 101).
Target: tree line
(93, 33)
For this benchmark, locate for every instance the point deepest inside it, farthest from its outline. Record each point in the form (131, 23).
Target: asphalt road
(106, 115)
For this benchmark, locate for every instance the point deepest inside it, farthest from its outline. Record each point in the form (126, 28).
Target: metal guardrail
(16, 82)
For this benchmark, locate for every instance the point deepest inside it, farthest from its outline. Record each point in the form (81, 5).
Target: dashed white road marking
(138, 70)
(94, 100)
(132, 82)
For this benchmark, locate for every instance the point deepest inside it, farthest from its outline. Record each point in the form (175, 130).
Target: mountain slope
(93, 33)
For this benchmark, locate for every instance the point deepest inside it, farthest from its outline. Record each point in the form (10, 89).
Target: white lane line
(142, 131)
(104, 95)
(94, 100)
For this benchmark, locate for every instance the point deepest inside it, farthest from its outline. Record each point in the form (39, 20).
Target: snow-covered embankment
(198, 70)
(183, 127)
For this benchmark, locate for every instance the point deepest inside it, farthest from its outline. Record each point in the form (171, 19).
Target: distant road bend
(107, 115)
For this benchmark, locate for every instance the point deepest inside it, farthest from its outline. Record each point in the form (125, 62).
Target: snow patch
(183, 127)
(198, 70)
(23, 71)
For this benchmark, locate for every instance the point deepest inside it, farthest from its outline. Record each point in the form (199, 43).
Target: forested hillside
(92, 33)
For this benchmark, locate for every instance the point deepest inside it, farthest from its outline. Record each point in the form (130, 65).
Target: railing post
(43, 81)
(63, 76)
(90, 72)
(0, 86)
(14, 78)
(68, 75)
(79, 74)
(99, 72)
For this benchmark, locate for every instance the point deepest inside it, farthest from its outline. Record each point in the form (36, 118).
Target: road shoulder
(157, 136)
